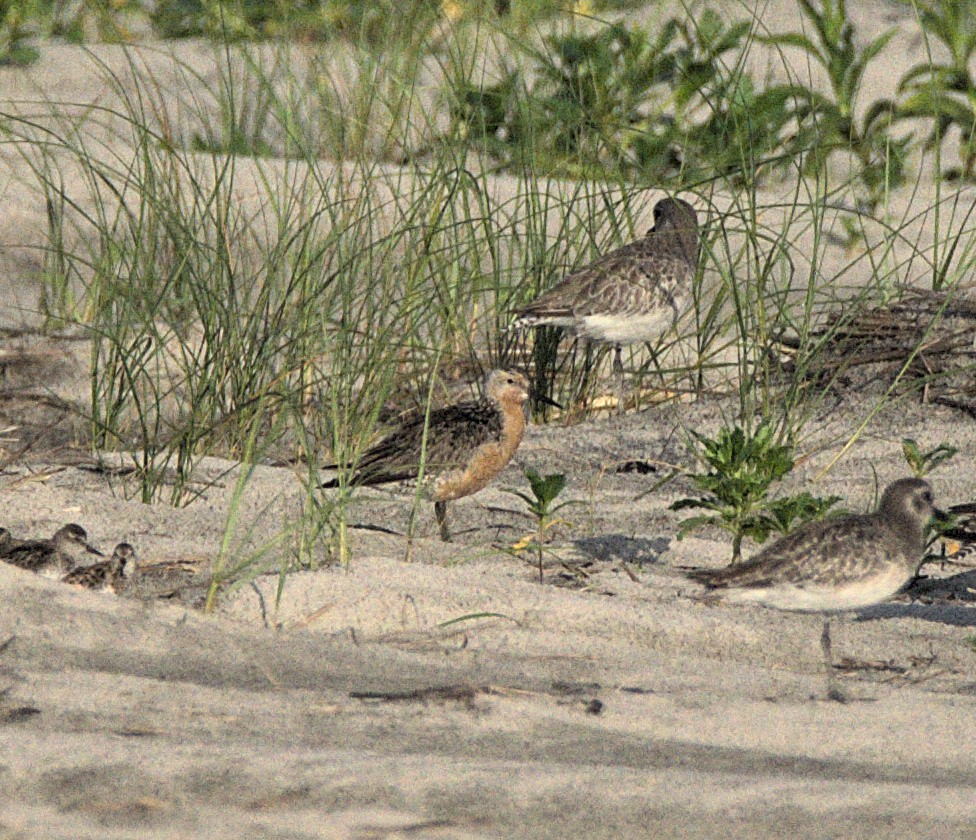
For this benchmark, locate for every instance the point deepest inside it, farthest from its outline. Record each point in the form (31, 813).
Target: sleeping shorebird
(107, 575)
(840, 564)
(52, 558)
(633, 294)
(466, 445)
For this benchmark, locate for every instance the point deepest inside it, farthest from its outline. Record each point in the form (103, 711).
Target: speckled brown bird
(105, 576)
(467, 445)
(840, 564)
(630, 295)
(52, 558)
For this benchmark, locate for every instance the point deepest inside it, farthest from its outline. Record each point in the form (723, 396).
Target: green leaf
(523, 496)
(694, 523)
(794, 39)
(685, 504)
(875, 47)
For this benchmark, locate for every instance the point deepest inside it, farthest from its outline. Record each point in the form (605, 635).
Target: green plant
(545, 490)
(18, 23)
(945, 92)
(922, 463)
(722, 123)
(826, 124)
(625, 102)
(741, 469)
(241, 19)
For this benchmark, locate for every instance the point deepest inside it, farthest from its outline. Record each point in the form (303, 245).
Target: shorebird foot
(826, 646)
(440, 511)
(618, 376)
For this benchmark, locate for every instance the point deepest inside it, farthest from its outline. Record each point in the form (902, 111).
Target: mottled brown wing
(90, 576)
(30, 555)
(454, 433)
(853, 545)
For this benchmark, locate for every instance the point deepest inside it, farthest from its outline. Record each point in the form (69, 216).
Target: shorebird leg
(833, 693)
(440, 511)
(618, 373)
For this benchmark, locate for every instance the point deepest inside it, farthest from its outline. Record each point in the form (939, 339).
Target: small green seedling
(741, 468)
(922, 463)
(545, 489)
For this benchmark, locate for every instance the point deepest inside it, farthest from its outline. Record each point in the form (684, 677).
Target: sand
(608, 701)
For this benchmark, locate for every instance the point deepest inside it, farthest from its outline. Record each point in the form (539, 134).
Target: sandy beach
(454, 695)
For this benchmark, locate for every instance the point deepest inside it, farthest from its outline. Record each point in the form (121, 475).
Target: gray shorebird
(466, 446)
(52, 558)
(630, 295)
(840, 564)
(105, 576)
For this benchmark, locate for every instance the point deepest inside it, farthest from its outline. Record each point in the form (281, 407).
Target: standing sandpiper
(466, 445)
(52, 558)
(633, 294)
(841, 564)
(105, 576)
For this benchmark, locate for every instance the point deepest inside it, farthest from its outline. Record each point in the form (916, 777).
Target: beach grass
(396, 230)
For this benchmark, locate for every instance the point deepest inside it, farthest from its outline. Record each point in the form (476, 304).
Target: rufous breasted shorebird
(631, 295)
(462, 447)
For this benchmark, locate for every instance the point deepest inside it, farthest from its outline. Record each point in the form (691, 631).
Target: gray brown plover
(466, 445)
(52, 558)
(105, 576)
(630, 295)
(841, 564)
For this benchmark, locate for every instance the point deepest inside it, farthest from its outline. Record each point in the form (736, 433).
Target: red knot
(52, 558)
(464, 447)
(107, 575)
(844, 563)
(630, 295)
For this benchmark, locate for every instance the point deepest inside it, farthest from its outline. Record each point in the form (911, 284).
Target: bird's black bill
(542, 398)
(92, 550)
(942, 516)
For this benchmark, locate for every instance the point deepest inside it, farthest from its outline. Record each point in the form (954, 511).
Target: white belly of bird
(624, 329)
(850, 595)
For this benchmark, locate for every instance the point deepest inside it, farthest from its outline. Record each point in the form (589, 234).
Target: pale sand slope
(156, 721)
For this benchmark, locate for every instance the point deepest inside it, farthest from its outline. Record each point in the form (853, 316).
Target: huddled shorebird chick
(467, 445)
(841, 564)
(105, 576)
(630, 295)
(52, 558)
